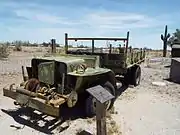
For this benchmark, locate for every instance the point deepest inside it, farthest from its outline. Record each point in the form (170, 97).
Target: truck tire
(133, 76)
(136, 76)
(127, 77)
(91, 101)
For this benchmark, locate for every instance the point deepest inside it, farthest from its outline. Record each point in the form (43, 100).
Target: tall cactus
(164, 38)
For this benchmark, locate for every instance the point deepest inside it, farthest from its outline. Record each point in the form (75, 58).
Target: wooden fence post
(101, 95)
(53, 45)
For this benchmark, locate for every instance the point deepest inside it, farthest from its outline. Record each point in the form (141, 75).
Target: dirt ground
(142, 110)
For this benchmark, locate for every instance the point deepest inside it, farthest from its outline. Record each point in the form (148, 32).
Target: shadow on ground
(42, 122)
(170, 80)
(84, 133)
(167, 66)
(122, 86)
(29, 117)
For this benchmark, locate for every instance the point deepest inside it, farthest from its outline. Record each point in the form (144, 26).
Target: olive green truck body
(63, 78)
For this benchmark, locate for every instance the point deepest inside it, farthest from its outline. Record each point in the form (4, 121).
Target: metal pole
(92, 46)
(141, 54)
(66, 43)
(53, 45)
(130, 49)
(127, 42)
(119, 48)
(110, 49)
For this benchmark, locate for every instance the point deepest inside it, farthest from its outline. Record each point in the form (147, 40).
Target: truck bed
(118, 62)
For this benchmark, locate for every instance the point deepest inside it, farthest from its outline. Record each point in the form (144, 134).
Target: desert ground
(143, 110)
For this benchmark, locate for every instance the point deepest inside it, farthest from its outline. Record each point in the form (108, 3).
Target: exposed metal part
(72, 99)
(32, 85)
(63, 79)
(25, 78)
(81, 68)
(11, 86)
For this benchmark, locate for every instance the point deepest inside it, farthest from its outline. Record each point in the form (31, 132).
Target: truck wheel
(127, 77)
(136, 76)
(91, 101)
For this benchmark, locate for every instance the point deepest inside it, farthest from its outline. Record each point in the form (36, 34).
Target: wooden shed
(175, 70)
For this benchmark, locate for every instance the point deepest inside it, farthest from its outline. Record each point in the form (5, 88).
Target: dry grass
(17, 48)
(154, 53)
(90, 121)
(39, 50)
(79, 131)
(112, 111)
(113, 128)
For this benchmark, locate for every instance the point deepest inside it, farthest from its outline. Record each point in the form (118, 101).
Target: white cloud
(43, 17)
(94, 19)
(40, 34)
(119, 20)
(92, 23)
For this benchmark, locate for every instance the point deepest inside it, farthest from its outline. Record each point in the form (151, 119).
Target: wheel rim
(108, 103)
(94, 104)
(138, 76)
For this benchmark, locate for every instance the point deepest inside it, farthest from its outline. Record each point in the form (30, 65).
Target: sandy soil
(142, 110)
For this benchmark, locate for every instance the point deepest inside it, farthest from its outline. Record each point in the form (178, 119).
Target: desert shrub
(39, 50)
(4, 51)
(18, 48)
(113, 128)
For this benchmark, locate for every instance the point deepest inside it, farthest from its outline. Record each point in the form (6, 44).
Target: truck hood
(65, 59)
(73, 61)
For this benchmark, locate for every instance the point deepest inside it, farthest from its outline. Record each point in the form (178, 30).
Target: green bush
(4, 51)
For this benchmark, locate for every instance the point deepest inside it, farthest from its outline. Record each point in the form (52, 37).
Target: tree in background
(4, 50)
(175, 38)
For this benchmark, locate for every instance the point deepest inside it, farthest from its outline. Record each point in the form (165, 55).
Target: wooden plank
(57, 102)
(12, 94)
(35, 103)
(26, 92)
(101, 118)
(53, 45)
(136, 63)
(38, 104)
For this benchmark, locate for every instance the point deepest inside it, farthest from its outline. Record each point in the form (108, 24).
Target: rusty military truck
(56, 80)
(123, 60)
(62, 79)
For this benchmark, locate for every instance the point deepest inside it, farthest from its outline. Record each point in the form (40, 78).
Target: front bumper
(32, 100)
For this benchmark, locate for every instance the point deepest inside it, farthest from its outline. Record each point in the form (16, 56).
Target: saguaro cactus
(164, 38)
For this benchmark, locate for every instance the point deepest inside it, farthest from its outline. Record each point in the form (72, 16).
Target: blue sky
(41, 20)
